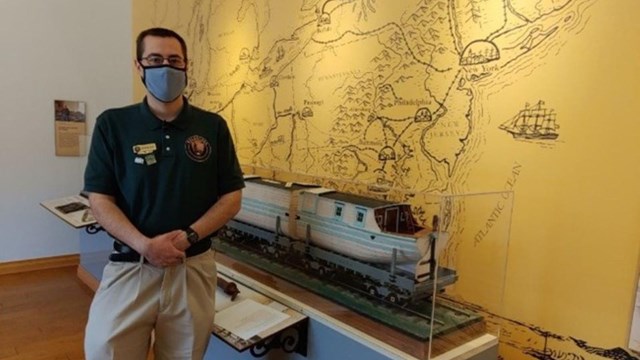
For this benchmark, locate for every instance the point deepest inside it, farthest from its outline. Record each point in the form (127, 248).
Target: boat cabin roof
(324, 192)
(357, 199)
(279, 184)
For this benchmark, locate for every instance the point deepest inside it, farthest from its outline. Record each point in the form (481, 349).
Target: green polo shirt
(163, 175)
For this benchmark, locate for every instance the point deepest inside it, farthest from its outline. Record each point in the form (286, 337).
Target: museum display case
(478, 228)
(440, 293)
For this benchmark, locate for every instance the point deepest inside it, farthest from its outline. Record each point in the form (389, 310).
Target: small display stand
(74, 210)
(251, 320)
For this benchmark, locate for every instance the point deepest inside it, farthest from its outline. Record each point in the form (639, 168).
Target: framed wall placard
(70, 127)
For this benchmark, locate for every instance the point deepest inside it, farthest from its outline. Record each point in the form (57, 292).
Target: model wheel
(397, 300)
(393, 298)
(371, 290)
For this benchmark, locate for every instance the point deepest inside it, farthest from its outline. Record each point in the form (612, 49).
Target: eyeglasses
(156, 60)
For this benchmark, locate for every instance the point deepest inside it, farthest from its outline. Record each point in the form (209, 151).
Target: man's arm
(159, 251)
(218, 214)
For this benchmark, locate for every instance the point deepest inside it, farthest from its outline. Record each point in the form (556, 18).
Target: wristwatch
(192, 235)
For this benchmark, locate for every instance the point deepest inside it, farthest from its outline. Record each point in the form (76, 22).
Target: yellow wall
(573, 250)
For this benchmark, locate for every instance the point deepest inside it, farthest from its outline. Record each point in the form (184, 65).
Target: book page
(249, 318)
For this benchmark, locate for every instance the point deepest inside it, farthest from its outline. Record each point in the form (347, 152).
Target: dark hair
(159, 32)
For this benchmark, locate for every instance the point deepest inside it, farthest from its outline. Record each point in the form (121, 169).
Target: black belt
(125, 253)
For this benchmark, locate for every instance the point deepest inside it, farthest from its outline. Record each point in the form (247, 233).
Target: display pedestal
(333, 332)
(388, 343)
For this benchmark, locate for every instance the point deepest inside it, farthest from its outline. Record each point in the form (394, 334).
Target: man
(162, 176)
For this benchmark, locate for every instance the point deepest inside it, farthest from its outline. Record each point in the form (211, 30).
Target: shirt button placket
(167, 145)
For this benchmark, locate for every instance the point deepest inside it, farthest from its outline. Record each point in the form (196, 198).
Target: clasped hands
(166, 249)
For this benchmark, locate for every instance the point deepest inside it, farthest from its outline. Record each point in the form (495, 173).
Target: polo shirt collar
(153, 122)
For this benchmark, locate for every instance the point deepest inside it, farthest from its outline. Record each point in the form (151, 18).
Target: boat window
(397, 219)
(360, 216)
(339, 209)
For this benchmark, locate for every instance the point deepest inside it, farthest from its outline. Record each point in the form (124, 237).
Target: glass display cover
(424, 272)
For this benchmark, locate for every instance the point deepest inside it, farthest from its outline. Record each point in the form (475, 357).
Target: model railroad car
(372, 245)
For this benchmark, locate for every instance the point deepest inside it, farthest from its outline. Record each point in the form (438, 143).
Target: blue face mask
(164, 82)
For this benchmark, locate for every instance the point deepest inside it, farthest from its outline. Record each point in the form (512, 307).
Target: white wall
(63, 49)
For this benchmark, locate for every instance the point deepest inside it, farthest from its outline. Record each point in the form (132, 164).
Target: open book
(250, 318)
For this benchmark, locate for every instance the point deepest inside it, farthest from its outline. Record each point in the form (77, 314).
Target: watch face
(192, 236)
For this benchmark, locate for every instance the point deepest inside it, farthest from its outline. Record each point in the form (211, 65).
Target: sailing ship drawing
(533, 123)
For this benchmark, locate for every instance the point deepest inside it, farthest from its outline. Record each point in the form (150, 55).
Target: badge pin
(138, 160)
(150, 159)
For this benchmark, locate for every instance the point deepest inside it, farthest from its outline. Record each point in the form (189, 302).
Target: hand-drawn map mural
(443, 96)
(361, 90)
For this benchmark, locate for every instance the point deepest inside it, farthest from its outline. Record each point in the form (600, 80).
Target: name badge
(144, 149)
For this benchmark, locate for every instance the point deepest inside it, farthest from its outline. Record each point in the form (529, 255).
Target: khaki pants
(136, 299)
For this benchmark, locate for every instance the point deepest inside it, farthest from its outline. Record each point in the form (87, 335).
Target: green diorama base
(414, 319)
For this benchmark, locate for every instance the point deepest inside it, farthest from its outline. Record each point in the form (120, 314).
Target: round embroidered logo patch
(197, 148)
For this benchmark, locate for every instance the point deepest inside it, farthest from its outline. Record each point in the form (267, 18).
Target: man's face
(159, 46)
